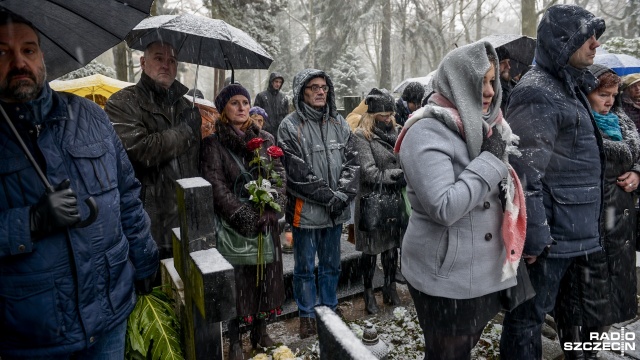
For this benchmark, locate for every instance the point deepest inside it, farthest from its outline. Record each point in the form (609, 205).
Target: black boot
(370, 302)
(570, 334)
(399, 277)
(235, 340)
(389, 265)
(259, 334)
(586, 331)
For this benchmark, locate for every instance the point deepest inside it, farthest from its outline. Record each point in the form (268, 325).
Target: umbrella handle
(93, 213)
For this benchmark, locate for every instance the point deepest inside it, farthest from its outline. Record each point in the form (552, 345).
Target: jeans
(306, 242)
(522, 328)
(110, 346)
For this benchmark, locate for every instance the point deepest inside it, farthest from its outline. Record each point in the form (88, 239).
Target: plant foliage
(153, 329)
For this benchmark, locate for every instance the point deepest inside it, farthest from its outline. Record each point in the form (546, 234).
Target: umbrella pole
(195, 82)
(233, 81)
(91, 203)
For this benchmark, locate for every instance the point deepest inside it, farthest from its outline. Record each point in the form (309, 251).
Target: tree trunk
(529, 18)
(120, 61)
(311, 52)
(385, 51)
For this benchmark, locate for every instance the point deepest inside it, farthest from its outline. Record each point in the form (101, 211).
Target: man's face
(316, 99)
(583, 57)
(159, 63)
(505, 66)
(277, 83)
(22, 70)
(633, 91)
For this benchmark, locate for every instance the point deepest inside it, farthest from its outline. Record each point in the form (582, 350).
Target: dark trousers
(522, 327)
(438, 345)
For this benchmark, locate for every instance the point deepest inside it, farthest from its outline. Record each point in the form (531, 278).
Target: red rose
(254, 143)
(274, 151)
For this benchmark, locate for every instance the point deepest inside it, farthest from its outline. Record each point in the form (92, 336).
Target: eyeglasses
(316, 88)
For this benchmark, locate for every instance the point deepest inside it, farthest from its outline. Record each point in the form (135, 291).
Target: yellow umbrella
(97, 88)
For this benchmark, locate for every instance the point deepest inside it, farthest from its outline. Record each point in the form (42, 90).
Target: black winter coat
(602, 291)
(151, 123)
(222, 171)
(274, 103)
(378, 164)
(561, 167)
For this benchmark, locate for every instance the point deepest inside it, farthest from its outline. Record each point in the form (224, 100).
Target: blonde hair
(223, 119)
(368, 122)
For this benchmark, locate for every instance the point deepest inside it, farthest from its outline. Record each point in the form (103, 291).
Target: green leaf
(274, 205)
(153, 329)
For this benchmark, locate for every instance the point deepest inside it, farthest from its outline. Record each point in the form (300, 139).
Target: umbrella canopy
(74, 32)
(95, 87)
(201, 40)
(521, 49)
(620, 63)
(424, 80)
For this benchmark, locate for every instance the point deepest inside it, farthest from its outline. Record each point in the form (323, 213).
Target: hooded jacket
(61, 293)
(275, 103)
(453, 245)
(319, 158)
(151, 122)
(561, 167)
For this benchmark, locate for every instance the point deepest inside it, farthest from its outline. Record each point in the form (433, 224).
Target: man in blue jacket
(561, 167)
(65, 291)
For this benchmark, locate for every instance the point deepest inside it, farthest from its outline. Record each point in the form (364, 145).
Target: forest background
(363, 43)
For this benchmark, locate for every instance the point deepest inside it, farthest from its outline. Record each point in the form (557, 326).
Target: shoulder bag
(381, 208)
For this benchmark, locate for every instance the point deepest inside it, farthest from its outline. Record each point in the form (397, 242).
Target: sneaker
(307, 327)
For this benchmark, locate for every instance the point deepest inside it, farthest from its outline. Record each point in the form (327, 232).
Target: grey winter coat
(561, 167)
(378, 165)
(274, 103)
(151, 123)
(453, 245)
(319, 159)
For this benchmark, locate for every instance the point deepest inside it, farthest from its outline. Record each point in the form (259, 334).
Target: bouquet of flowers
(261, 190)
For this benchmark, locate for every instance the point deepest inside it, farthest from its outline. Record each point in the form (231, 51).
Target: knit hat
(379, 100)
(503, 53)
(414, 92)
(259, 111)
(597, 70)
(228, 92)
(630, 80)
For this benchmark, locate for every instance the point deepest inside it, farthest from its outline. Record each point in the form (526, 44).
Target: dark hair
(8, 18)
(608, 79)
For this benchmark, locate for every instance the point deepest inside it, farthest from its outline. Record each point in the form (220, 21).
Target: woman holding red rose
(237, 135)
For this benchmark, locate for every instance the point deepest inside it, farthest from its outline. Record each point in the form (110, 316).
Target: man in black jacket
(274, 103)
(409, 102)
(160, 129)
(561, 168)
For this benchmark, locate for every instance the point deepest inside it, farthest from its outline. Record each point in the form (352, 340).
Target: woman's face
(237, 110)
(602, 99)
(487, 89)
(384, 118)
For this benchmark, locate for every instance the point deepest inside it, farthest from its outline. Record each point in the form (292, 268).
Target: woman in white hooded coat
(454, 154)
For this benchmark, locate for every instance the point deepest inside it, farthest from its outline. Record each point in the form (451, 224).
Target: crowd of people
(478, 174)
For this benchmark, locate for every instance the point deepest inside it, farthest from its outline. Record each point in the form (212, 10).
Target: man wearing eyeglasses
(322, 178)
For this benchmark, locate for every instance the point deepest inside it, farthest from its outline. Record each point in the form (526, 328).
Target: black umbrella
(72, 33)
(521, 49)
(202, 41)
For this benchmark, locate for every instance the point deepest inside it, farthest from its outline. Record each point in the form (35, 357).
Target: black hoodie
(274, 103)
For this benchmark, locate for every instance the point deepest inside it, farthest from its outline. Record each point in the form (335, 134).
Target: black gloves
(268, 222)
(144, 286)
(336, 207)
(494, 144)
(54, 210)
(399, 179)
(191, 117)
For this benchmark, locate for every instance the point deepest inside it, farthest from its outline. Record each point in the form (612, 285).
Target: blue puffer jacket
(60, 293)
(561, 167)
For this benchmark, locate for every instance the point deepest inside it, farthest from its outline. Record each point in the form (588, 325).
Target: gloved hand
(268, 222)
(336, 207)
(144, 286)
(54, 210)
(399, 179)
(494, 144)
(191, 117)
